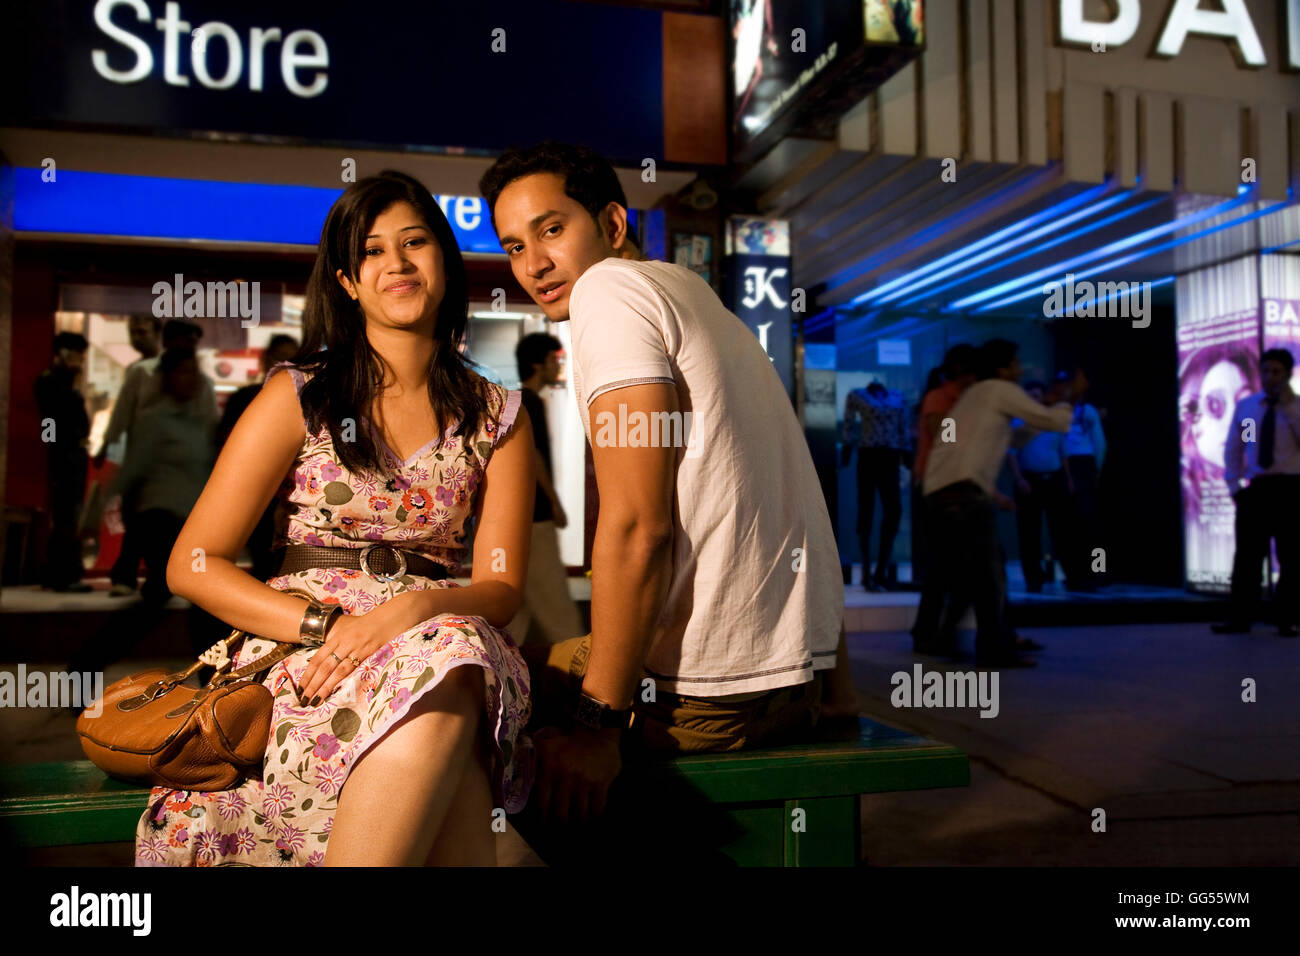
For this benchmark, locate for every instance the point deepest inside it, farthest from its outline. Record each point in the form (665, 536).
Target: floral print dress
(284, 818)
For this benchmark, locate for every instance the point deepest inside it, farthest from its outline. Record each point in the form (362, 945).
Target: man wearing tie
(1263, 450)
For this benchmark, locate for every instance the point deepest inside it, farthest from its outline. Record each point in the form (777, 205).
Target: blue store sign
(457, 77)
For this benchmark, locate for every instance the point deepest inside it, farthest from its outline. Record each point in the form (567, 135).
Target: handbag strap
(283, 650)
(261, 664)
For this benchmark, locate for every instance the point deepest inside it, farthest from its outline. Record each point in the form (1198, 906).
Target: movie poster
(1218, 365)
(894, 21)
(772, 64)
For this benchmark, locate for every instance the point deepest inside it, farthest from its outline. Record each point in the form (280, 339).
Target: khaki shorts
(673, 722)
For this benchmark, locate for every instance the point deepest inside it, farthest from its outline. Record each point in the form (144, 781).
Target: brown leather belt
(381, 561)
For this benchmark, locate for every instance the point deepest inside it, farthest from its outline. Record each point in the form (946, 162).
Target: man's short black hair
(177, 329)
(1279, 355)
(72, 341)
(532, 351)
(173, 357)
(589, 179)
(994, 355)
(274, 342)
(281, 338)
(958, 361)
(148, 317)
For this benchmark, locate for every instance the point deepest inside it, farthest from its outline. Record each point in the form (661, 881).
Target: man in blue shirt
(1038, 465)
(1085, 451)
(879, 417)
(1263, 451)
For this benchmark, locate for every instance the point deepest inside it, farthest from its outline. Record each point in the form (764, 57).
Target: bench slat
(73, 802)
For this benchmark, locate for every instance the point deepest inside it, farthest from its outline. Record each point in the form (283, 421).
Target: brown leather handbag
(152, 729)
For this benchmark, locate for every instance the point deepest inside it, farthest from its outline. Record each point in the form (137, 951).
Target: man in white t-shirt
(717, 596)
(961, 502)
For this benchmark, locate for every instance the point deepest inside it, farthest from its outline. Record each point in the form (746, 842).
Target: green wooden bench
(60, 804)
(757, 792)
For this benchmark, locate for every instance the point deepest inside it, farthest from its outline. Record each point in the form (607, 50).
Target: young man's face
(70, 359)
(551, 368)
(143, 333)
(550, 239)
(1274, 375)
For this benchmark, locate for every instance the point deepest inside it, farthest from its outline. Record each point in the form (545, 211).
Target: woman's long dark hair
(347, 373)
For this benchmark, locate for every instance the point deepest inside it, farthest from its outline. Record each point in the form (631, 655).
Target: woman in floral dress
(400, 740)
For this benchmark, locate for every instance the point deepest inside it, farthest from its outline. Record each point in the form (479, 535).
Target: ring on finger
(336, 657)
(355, 662)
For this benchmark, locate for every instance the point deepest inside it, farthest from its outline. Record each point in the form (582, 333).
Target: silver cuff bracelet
(315, 621)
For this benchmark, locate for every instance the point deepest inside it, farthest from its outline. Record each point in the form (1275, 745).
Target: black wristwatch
(597, 715)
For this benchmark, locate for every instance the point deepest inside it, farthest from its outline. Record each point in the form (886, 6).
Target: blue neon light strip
(922, 237)
(151, 207)
(1144, 253)
(1034, 279)
(1039, 249)
(1012, 244)
(1027, 223)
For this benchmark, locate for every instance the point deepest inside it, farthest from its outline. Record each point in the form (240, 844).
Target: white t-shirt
(981, 432)
(756, 597)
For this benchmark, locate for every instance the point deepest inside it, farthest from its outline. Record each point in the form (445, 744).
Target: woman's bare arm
(260, 451)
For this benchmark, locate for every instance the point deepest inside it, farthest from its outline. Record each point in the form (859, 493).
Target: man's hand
(1003, 502)
(575, 771)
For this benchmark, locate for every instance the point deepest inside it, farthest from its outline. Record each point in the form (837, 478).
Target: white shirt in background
(982, 432)
(1241, 458)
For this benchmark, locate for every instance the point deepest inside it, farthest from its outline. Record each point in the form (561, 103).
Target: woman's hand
(351, 639)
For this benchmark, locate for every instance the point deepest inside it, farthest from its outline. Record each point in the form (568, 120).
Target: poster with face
(1218, 366)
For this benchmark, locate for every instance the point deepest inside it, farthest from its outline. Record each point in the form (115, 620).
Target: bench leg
(826, 833)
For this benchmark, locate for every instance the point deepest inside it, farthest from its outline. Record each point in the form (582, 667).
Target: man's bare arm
(632, 552)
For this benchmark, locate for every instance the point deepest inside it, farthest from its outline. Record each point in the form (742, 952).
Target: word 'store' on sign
(299, 50)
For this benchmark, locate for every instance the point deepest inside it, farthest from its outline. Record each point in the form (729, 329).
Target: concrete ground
(1146, 723)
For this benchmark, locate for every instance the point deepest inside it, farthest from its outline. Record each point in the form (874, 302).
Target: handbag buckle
(150, 693)
(365, 562)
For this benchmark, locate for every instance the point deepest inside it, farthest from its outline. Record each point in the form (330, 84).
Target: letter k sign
(758, 286)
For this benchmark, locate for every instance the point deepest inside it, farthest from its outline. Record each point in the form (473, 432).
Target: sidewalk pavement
(1146, 723)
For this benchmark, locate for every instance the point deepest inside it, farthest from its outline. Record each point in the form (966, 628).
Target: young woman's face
(401, 281)
(1223, 386)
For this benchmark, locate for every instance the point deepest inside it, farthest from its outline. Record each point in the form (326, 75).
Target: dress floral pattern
(284, 819)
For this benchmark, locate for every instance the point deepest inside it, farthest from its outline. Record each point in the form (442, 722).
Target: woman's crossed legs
(421, 794)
